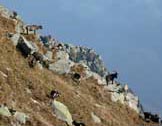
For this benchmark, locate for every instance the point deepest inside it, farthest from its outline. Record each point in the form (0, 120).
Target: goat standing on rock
(33, 28)
(111, 77)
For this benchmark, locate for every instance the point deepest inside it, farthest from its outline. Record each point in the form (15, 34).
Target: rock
(49, 55)
(26, 47)
(132, 102)
(95, 118)
(118, 97)
(19, 27)
(82, 54)
(15, 39)
(114, 87)
(100, 80)
(30, 45)
(61, 111)
(39, 65)
(21, 117)
(61, 66)
(62, 55)
(4, 111)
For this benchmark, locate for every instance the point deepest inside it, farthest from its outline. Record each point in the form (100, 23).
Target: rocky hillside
(26, 81)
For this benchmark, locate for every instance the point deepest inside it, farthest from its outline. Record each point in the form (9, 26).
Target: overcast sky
(127, 34)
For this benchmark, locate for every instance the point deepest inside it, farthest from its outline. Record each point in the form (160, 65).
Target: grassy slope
(24, 84)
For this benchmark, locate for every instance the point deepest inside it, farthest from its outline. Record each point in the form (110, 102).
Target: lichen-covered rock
(4, 111)
(61, 111)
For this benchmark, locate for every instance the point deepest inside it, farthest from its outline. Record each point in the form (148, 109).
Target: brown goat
(33, 28)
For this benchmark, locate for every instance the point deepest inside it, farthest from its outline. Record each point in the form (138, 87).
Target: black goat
(54, 94)
(111, 77)
(76, 77)
(32, 59)
(151, 117)
(38, 56)
(155, 118)
(75, 123)
(14, 15)
(147, 116)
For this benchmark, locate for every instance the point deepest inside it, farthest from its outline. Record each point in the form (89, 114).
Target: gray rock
(89, 56)
(19, 27)
(21, 117)
(15, 39)
(127, 98)
(62, 55)
(4, 111)
(95, 118)
(61, 66)
(49, 55)
(61, 111)
(29, 44)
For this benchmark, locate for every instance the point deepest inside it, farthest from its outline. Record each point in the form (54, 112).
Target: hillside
(26, 89)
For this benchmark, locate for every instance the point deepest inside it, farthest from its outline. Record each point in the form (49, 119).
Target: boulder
(133, 102)
(62, 55)
(95, 118)
(15, 39)
(21, 117)
(49, 55)
(4, 111)
(61, 66)
(26, 47)
(61, 111)
(19, 27)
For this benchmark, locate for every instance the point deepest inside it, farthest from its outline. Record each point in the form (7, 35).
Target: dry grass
(23, 84)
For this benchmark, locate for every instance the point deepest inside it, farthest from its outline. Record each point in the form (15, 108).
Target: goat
(147, 116)
(111, 77)
(33, 28)
(75, 123)
(32, 61)
(36, 56)
(54, 94)
(76, 77)
(14, 15)
(155, 118)
(151, 117)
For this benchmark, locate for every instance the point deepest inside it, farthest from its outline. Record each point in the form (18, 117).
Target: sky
(126, 33)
